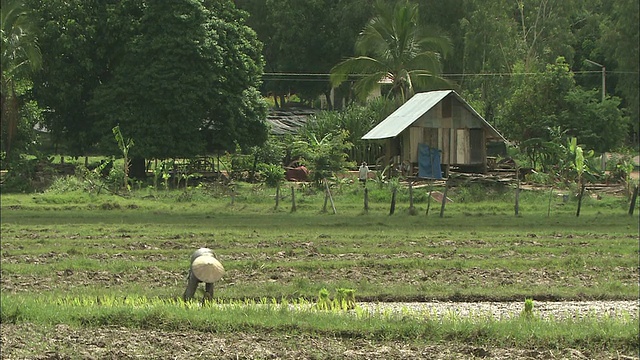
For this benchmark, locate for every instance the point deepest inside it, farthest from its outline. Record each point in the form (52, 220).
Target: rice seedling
(527, 312)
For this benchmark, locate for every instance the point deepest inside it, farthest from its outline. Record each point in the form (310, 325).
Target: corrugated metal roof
(413, 109)
(288, 121)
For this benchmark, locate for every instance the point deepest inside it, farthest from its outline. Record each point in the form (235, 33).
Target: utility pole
(604, 76)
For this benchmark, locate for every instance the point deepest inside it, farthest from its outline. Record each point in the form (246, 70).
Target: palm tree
(394, 47)
(20, 55)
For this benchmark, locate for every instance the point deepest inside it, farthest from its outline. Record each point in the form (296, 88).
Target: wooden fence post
(333, 206)
(326, 200)
(277, 196)
(366, 200)
(550, 197)
(444, 198)
(293, 199)
(412, 209)
(393, 201)
(429, 198)
(582, 186)
(517, 204)
(634, 197)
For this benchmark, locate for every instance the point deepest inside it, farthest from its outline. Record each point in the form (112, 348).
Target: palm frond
(361, 65)
(424, 80)
(394, 45)
(375, 39)
(441, 44)
(429, 61)
(20, 52)
(364, 86)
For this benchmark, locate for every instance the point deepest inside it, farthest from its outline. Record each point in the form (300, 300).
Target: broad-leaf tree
(551, 100)
(599, 125)
(489, 54)
(304, 37)
(82, 42)
(20, 56)
(619, 46)
(186, 83)
(393, 46)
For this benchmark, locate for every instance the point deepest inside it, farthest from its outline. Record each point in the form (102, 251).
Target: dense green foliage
(183, 79)
(394, 46)
(304, 38)
(180, 78)
(351, 123)
(600, 125)
(496, 44)
(20, 56)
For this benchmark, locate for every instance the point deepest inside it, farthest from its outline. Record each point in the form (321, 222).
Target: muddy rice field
(64, 342)
(60, 341)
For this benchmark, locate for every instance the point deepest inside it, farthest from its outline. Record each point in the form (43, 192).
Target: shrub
(66, 184)
(272, 174)
(28, 175)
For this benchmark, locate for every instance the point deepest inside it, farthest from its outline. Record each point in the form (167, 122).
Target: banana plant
(581, 167)
(124, 147)
(579, 161)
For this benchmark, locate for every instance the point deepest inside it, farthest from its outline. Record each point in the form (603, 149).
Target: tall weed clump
(86, 180)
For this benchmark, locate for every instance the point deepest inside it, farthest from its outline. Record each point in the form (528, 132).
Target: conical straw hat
(207, 268)
(200, 252)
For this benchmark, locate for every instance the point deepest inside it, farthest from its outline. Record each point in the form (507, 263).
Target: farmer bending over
(204, 268)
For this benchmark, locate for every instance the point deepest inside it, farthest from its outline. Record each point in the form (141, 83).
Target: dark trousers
(192, 286)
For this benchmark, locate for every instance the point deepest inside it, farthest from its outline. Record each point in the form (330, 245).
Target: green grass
(590, 332)
(408, 257)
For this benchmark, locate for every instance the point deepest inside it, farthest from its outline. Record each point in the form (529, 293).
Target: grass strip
(589, 332)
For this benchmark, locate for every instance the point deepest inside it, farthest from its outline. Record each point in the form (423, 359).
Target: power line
(324, 76)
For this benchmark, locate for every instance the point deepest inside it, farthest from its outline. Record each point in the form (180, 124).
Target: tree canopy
(306, 38)
(552, 100)
(179, 77)
(186, 77)
(20, 56)
(394, 46)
